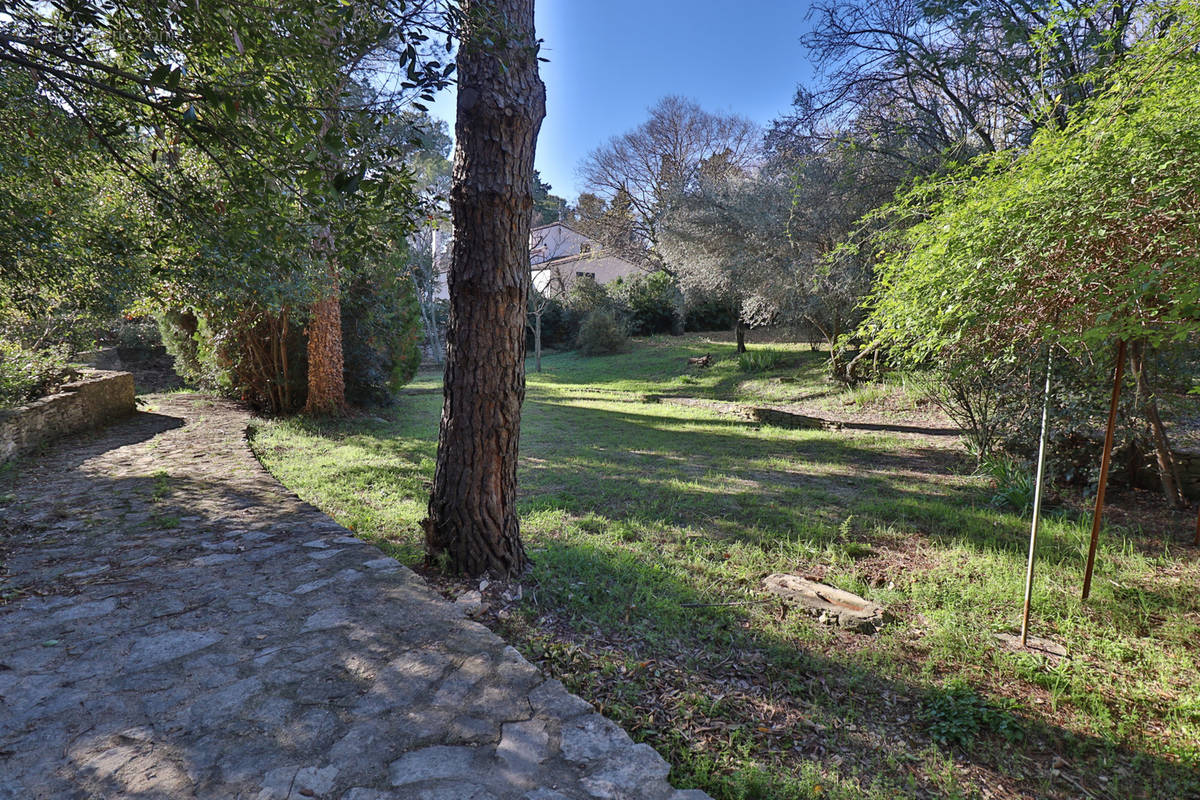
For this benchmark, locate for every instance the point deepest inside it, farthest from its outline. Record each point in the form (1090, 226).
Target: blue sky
(610, 60)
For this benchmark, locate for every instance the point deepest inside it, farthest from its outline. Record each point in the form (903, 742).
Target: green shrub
(242, 357)
(759, 360)
(560, 324)
(706, 313)
(26, 374)
(586, 296)
(601, 334)
(381, 335)
(649, 304)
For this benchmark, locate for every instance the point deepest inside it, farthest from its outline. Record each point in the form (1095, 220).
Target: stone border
(99, 398)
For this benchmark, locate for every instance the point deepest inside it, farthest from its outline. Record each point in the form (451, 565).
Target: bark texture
(326, 380)
(472, 521)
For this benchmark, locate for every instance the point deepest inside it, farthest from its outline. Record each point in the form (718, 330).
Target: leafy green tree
(274, 101)
(1087, 237)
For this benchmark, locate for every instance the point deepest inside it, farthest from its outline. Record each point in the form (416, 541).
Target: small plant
(162, 486)
(759, 360)
(957, 715)
(1013, 482)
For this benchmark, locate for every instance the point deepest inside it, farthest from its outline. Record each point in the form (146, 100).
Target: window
(591, 275)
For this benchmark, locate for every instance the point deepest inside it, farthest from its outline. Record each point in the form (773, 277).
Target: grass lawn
(651, 526)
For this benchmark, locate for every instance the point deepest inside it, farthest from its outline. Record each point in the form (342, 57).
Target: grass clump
(759, 360)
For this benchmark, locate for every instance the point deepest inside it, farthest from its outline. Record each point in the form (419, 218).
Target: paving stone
(592, 738)
(257, 650)
(454, 790)
(432, 763)
(163, 647)
(523, 745)
(628, 776)
(362, 793)
(551, 698)
(98, 608)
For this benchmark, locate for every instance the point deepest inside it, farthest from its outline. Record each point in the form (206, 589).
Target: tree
(472, 521)
(641, 172)
(934, 82)
(272, 97)
(727, 237)
(547, 207)
(1090, 236)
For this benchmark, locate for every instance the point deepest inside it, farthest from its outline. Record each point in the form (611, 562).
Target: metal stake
(1037, 502)
(1105, 461)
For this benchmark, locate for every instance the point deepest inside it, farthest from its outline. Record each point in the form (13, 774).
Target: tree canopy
(1089, 234)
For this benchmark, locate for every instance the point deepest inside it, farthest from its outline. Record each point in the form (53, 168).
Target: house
(560, 255)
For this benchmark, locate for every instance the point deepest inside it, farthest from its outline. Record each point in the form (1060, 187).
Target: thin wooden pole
(1037, 503)
(1105, 461)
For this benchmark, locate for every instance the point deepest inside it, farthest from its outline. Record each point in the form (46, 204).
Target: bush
(649, 304)
(27, 374)
(381, 336)
(600, 334)
(705, 313)
(258, 357)
(586, 296)
(957, 715)
(560, 325)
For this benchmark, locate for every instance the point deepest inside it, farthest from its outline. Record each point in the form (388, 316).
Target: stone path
(188, 628)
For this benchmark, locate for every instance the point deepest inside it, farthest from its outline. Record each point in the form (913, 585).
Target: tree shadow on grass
(780, 704)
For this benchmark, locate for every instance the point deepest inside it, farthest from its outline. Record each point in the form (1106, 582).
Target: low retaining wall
(96, 399)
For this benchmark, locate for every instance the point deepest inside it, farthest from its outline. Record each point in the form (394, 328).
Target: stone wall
(1189, 472)
(95, 400)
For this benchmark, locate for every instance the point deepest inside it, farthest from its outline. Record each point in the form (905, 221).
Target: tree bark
(326, 380)
(739, 329)
(326, 363)
(1167, 471)
(472, 523)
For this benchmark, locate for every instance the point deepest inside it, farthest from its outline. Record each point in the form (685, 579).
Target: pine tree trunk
(1167, 471)
(472, 521)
